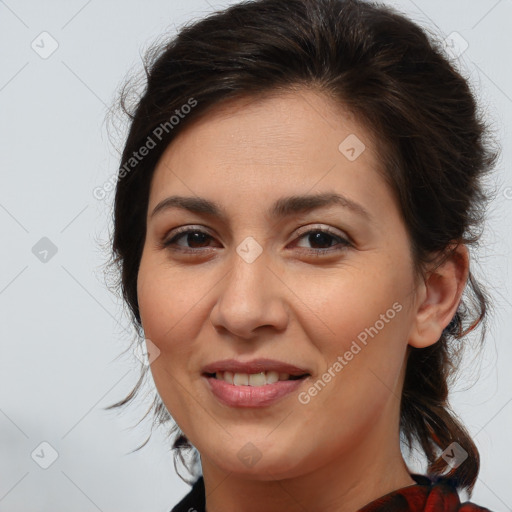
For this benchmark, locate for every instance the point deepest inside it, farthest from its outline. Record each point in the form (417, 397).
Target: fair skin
(293, 303)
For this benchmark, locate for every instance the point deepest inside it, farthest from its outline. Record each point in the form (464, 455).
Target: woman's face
(283, 250)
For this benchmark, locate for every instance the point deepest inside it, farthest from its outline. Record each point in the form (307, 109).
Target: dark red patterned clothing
(425, 496)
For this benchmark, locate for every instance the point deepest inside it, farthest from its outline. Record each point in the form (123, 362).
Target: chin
(259, 460)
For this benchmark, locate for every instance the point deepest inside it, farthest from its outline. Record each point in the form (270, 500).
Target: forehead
(296, 139)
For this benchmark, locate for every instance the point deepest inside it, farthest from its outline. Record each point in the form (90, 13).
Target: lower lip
(251, 396)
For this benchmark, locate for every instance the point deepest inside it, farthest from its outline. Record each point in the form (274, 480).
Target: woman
(297, 194)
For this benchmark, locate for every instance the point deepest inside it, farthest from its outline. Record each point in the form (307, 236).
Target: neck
(345, 483)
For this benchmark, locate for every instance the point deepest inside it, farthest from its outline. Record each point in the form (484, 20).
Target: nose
(251, 297)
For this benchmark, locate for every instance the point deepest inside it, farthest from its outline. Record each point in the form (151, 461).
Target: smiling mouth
(254, 379)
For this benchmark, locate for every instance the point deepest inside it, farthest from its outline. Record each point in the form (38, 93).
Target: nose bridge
(248, 281)
(249, 296)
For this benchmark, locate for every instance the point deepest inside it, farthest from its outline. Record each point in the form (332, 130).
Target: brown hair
(397, 81)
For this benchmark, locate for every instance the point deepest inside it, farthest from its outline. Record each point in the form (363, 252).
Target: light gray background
(62, 332)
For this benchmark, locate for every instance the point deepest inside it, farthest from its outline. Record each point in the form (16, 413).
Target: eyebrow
(283, 207)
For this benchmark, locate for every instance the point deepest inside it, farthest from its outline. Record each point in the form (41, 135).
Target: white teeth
(272, 377)
(241, 379)
(253, 379)
(257, 379)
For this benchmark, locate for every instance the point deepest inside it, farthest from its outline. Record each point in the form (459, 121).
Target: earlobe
(438, 297)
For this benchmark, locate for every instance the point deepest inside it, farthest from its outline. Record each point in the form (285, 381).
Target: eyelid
(175, 232)
(344, 240)
(168, 241)
(186, 228)
(298, 232)
(322, 227)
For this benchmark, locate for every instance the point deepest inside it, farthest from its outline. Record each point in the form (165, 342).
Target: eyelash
(180, 233)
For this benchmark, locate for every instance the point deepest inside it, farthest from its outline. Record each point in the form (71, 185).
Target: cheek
(360, 327)
(167, 299)
(163, 314)
(355, 303)
(166, 304)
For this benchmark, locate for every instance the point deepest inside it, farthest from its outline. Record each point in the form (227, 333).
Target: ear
(438, 296)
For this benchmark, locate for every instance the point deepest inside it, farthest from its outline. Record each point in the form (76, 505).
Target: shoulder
(468, 506)
(439, 495)
(442, 495)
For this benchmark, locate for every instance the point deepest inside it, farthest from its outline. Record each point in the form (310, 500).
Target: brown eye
(320, 240)
(189, 239)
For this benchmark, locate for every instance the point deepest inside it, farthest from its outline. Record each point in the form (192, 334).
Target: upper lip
(253, 366)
